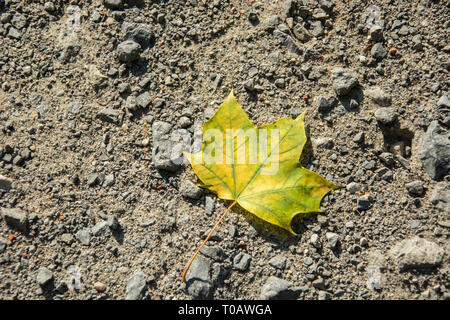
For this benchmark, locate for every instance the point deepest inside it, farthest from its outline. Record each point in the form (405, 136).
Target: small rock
(343, 81)
(379, 96)
(15, 218)
(113, 4)
(100, 228)
(279, 289)
(198, 279)
(278, 262)
(5, 183)
(44, 276)
(189, 190)
(440, 196)
(417, 253)
(100, 287)
(83, 236)
(128, 51)
(415, 188)
(376, 34)
(364, 202)
(74, 107)
(435, 151)
(386, 115)
(136, 286)
(332, 240)
(241, 261)
(378, 51)
(3, 244)
(353, 187)
(110, 115)
(315, 241)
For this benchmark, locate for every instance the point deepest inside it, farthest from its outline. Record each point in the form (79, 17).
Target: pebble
(279, 289)
(100, 287)
(190, 190)
(417, 253)
(434, 151)
(136, 286)
(241, 261)
(44, 276)
(5, 183)
(386, 115)
(415, 188)
(15, 218)
(83, 236)
(278, 262)
(343, 81)
(332, 240)
(128, 51)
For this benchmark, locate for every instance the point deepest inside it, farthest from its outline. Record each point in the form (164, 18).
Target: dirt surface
(87, 213)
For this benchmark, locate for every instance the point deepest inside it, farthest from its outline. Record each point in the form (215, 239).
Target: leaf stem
(204, 241)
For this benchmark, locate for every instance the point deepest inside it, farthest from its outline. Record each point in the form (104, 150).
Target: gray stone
(110, 115)
(164, 155)
(140, 33)
(198, 279)
(67, 238)
(319, 284)
(3, 244)
(315, 241)
(100, 228)
(332, 240)
(83, 236)
(278, 262)
(378, 51)
(190, 190)
(287, 41)
(364, 202)
(113, 222)
(128, 51)
(14, 33)
(271, 22)
(74, 107)
(241, 261)
(376, 34)
(415, 188)
(279, 289)
(113, 4)
(435, 151)
(5, 183)
(143, 100)
(417, 253)
(387, 158)
(343, 81)
(136, 286)
(378, 96)
(444, 102)
(19, 21)
(301, 33)
(353, 187)
(440, 197)
(44, 276)
(49, 6)
(209, 205)
(386, 115)
(325, 142)
(15, 218)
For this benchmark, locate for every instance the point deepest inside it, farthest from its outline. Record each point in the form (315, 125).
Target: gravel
(90, 130)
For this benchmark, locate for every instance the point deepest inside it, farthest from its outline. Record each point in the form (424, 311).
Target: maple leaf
(258, 167)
